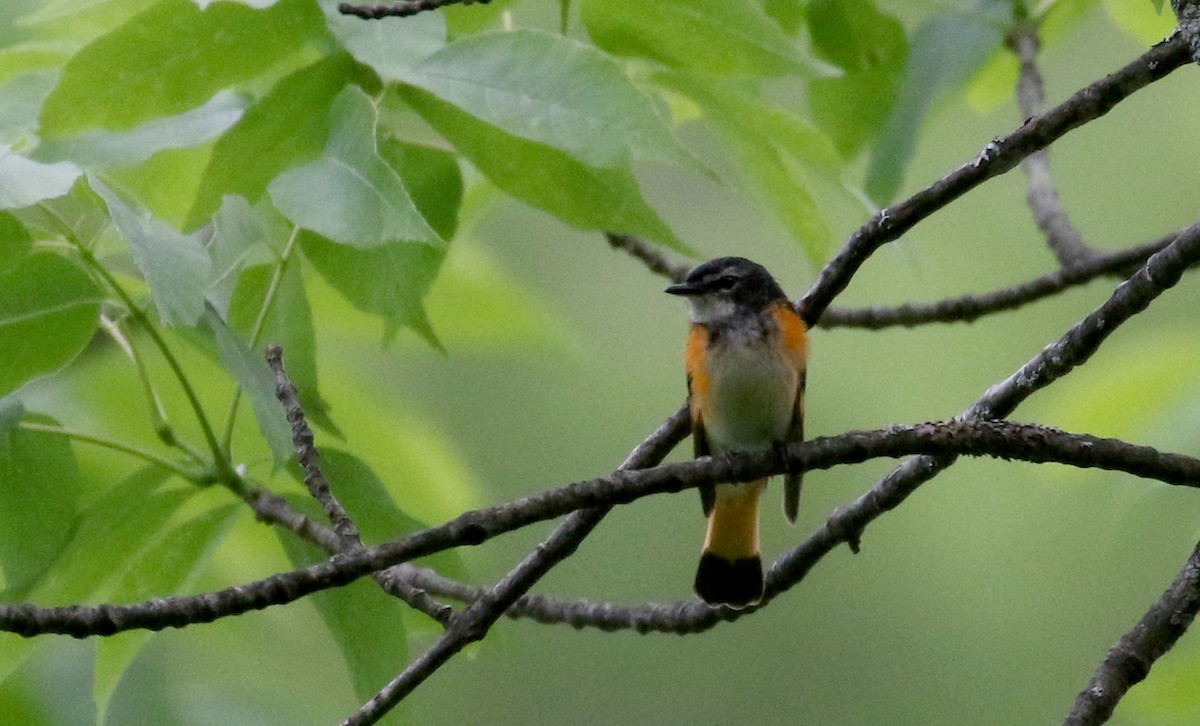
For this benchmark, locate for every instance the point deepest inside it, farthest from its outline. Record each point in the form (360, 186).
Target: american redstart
(745, 359)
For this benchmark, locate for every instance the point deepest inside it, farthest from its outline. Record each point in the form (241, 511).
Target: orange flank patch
(733, 522)
(693, 361)
(794, 331)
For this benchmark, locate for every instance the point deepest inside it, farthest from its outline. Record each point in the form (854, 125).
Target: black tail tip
(736, 583)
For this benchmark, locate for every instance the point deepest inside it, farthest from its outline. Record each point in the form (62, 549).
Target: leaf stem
(148, 456)
(256, 331)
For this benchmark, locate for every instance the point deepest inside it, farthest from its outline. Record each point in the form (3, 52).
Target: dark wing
(791, 482)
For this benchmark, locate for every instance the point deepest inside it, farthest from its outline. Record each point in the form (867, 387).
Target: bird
(746, 362)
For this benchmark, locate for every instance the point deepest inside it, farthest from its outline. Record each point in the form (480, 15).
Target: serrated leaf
(39, 494)
(579, 195)
(170, 58)
(24, 182)
(101, 148)
(946, 50)
(174, 265)
(250, 370)
(553, 90)
(49, 309)
(733, 37)
(288, 125)
(169, 566)
(350, 195)
(388, 281)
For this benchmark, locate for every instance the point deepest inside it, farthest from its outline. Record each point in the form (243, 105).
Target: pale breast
(752, 391)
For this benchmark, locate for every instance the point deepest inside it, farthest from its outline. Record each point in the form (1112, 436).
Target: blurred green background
(989, 597)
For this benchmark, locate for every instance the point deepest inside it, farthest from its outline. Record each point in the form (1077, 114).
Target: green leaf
(870, 47)
(250, 370)
(100, 148)
(1137, 20)
(169, 566)
(366, 623)
(24, 182)
(39, 496)
(173, 57)
(994, 83)
(103, 544)
(390, 46)
(947, 49)
(432, 177)
(21, 101)
(477, 305)
(1158, 5)
(783, 188)
(350, 195)
(734, 37)
(388, 281)
(580, 195)
(174, 265)
(288, 323)
(15, 241)
(769, 146)
(553, 90)
(49, 309)
(287, 125)
(242, 237)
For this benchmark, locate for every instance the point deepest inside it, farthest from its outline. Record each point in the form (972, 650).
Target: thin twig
(1129, 661)
(402, 9)
(1062, 237)
(972, 307)
(345, 531)
(996, 158)
(655, 260)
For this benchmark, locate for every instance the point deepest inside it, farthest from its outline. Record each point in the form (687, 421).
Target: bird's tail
(730, 571)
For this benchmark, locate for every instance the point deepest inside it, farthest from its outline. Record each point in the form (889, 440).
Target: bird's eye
(724, 282)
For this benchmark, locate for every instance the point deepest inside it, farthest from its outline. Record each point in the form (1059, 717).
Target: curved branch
(996, 158)
(1002, 439)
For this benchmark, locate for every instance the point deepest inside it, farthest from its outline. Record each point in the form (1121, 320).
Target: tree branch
(1129, 661)
(402, 9)
(346, 536)
(474, 623)
(1001, 439)
(1061, 236)
(996, 158)
(971, 307)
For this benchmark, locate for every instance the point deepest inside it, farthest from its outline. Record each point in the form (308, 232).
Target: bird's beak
(682, 288)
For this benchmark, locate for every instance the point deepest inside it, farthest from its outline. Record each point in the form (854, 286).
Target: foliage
(182, 182)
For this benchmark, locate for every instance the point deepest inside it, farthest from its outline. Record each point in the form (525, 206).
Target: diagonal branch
(474, 623)
(1129, 661)
(996, 158)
